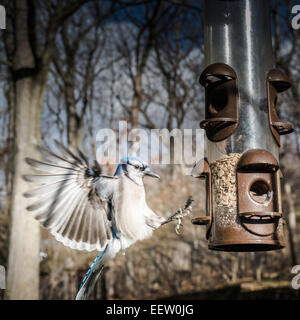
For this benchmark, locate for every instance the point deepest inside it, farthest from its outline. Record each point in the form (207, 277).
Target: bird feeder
(242, 173)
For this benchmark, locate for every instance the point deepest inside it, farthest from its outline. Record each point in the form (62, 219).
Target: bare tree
(29, 50)
(286, 59)
(77, 63)
(135, 42)
(177, 64)
(287, 53)
(136, 56)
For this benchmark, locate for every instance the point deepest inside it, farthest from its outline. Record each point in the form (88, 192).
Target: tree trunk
(30, 73)
(235, 268)
(29, 87)
(134, 116)
(291, 223)
(23, 265)
(73, 120)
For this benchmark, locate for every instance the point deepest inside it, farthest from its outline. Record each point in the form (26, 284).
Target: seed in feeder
(221, 173)
(224, 189)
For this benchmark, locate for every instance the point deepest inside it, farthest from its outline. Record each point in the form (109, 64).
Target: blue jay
(87, 210)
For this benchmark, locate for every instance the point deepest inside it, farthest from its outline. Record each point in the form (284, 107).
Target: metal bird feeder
(243, 209)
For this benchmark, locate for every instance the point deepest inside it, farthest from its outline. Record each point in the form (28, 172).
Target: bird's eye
(137, 166)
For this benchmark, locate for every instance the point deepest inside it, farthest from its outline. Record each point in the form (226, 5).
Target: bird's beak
(149, 172)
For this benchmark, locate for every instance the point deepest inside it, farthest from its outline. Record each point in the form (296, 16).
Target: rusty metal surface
(277, 82)
(258, 158)
(243, 130)
(208, 219)
(244, 219)
(221, 101)
(238, 34)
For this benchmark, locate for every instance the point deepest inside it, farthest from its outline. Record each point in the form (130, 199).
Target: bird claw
(182, 213)
(178, 226)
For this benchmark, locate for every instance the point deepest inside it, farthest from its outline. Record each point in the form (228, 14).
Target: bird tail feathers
(91, 277)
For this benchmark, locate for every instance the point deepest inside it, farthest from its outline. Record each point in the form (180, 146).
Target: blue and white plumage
(86, 210)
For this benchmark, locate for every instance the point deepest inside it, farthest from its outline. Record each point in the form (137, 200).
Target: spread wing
(68, 202)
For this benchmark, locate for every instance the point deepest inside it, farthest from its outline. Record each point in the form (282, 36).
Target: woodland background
(69, 68)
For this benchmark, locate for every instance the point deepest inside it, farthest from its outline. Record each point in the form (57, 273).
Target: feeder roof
(257, 158)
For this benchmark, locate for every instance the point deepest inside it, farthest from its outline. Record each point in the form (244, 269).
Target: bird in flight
(87, 210)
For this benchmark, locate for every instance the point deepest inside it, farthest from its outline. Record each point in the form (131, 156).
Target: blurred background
(70, 68)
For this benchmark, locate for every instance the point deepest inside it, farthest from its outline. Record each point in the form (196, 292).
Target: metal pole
(238, 33)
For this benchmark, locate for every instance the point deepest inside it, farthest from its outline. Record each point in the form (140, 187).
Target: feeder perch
(221, 101)
(207, 220)
(241, 169)
(277, 82)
